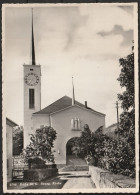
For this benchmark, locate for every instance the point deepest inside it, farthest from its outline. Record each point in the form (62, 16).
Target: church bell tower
(32, 91)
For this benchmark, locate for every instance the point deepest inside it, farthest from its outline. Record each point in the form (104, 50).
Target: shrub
(36, 163)
(40, 147)
(104, 152)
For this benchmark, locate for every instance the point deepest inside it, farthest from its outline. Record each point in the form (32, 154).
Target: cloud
(105, 17)
(118, 30)
(84, 39)
(61, 32)
(75, 24)
(69, 40)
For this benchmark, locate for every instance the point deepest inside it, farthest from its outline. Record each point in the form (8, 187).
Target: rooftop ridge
(15, 124)
(55, 101)
(63, 103)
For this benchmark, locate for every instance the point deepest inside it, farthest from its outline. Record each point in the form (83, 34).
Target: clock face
(31, 79)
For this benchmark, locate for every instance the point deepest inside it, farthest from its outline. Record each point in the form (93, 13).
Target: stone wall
(39, 174)
(105, 179)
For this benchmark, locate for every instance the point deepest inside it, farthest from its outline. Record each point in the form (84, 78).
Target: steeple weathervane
(33, 46)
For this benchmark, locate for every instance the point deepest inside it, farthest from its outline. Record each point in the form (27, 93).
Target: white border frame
(94, 190)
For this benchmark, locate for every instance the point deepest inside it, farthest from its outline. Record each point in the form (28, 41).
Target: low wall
(74, 168)
(59, 166)
(39, 174)
(105, 179)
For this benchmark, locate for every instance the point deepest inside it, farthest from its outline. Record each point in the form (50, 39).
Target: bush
(36, 163)
(39, 150)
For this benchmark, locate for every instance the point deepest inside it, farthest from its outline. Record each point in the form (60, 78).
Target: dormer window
(75, 124)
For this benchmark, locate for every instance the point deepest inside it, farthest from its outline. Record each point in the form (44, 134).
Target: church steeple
(32, 88)
(33, 46)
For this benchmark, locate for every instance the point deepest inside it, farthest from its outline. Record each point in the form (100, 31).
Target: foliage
(126, 79)
(105, 152)
(116, 155)
(41, 144)
(85, 142)
(72, 146)
(88, 143)
(127, 118)
(36, 163)
(17, 140)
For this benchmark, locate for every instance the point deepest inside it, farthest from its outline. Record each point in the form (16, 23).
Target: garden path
(77, 180)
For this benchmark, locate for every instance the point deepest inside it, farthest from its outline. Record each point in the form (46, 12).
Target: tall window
(75, 124)
(31, 98)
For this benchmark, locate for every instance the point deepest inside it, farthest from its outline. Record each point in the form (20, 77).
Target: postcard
(70, 98)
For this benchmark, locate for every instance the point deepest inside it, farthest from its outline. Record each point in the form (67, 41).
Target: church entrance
(72, 157)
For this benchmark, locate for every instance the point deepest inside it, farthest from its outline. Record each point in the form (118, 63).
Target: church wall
(61, 122)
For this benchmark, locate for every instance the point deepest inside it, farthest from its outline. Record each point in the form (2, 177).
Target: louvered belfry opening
(31, 98)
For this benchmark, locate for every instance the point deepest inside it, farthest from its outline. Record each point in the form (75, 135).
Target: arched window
(75, 124)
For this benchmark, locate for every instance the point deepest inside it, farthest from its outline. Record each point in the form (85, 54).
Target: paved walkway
(64, 180)
(73, 160)
(77, 180)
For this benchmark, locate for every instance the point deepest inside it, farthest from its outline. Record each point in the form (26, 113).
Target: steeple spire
(33, 46)
(73, 95)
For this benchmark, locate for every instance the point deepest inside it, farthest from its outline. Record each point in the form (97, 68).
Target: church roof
(10, 122)
(61, 104)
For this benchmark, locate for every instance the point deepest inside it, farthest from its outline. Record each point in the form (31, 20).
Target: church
(66, 115)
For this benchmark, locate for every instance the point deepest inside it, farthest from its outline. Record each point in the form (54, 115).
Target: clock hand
(30, 80)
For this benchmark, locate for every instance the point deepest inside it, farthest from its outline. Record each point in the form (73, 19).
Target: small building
(111, 131)
(9, 146)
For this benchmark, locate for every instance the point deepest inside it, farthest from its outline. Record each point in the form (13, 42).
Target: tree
(127, 118)
(41, 144)
(17, 140)
(85, 142)
(90, 145)
(126, 79)
(118, 156)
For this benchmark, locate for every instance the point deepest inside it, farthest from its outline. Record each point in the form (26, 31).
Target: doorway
(72, 149)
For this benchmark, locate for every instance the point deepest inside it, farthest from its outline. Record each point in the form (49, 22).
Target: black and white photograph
(70, 98)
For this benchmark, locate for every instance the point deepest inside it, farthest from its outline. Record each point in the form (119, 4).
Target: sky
(83, 41)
